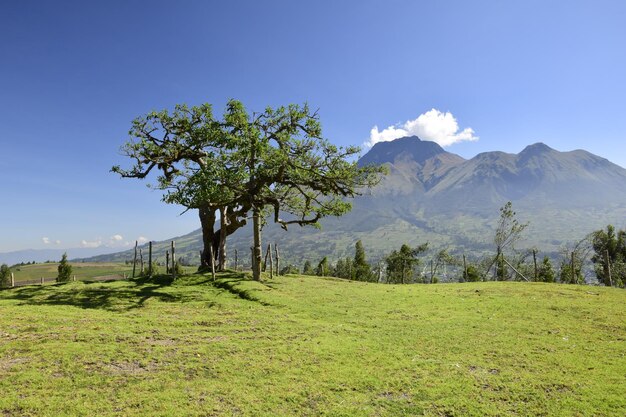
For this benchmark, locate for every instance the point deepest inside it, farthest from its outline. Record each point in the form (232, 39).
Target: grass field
(82, 270)
(308, 346)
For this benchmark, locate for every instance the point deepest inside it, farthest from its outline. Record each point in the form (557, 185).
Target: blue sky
(74, 74)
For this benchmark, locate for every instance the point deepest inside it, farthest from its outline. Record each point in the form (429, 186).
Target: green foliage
(361, 270)
(545, 272)
(155, 269)
(64, 270)
(323, 269)
(402, 264)
(289, 269)
(344, 268)
(275, 159)
(566, 275)
(308, 268)
(472, 274)
(609, 256)
(178, 268)
(508, 229)
(5, 276)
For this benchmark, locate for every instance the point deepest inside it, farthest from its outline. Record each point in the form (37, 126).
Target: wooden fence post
(236, 260)
(74, 277)
(141, 260)
(150, 258)
(572, 267)
(12, 280)
(464, 268)
(135, 259)
(277, 259)
(608, 267)
(535, 262)
(269, 250)
(173, 260)
(42, 281)
(167, 261)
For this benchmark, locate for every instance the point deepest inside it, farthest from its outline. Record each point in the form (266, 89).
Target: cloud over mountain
(433, 125)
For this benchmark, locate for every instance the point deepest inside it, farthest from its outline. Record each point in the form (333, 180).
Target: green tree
(64, 269)
(609, 256)
(323, 269)
(574, 257)
(441, 258)
(401, 265)
(308, 268)
(361, 270)
(545, 272)
(508, 232)
(290, 168)
(274, 160)
(5, 276)
(189, 149)
(471, 274)
(344, 268)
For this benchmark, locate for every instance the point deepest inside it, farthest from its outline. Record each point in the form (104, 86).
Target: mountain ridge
(433, 195)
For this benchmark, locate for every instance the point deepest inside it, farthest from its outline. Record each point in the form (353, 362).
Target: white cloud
(433, 125)
(141, 240)
(90, 244)
(117, 238)
(57, 242)
(45, 240)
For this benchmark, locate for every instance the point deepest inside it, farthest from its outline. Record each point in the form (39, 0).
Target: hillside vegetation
(301, 345)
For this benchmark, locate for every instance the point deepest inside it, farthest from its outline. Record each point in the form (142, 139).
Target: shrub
(65, 270)
(5, 276)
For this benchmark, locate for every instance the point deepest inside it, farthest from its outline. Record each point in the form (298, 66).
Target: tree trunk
(535, 262)
(256, 227)
(222, 242)
(207, 222)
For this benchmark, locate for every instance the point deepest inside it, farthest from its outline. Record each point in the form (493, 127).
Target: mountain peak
(409, 146)
(536, 149)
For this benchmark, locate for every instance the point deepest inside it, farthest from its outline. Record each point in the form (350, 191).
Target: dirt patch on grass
(123, 367)
(7, 363)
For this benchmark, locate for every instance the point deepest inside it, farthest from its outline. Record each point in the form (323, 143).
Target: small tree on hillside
(545, 271)
(64, 269)
(471, 274)
(573, 259)
(508, 232)
(5, 276)
(323, 269)
(610, 256)
(401, 264)
(308, 268)
(361, 270)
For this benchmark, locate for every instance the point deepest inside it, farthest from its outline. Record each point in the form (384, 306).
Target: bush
(65, 270)
(5, 276)
(179, 269)
(472, 274)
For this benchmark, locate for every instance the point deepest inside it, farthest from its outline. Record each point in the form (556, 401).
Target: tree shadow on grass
(130, 294)
(231, 281)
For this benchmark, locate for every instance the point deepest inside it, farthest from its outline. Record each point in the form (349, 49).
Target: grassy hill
(309, 346)
(82, 270)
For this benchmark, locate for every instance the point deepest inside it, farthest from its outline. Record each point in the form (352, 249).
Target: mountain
(436, 196)
(43, 255)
